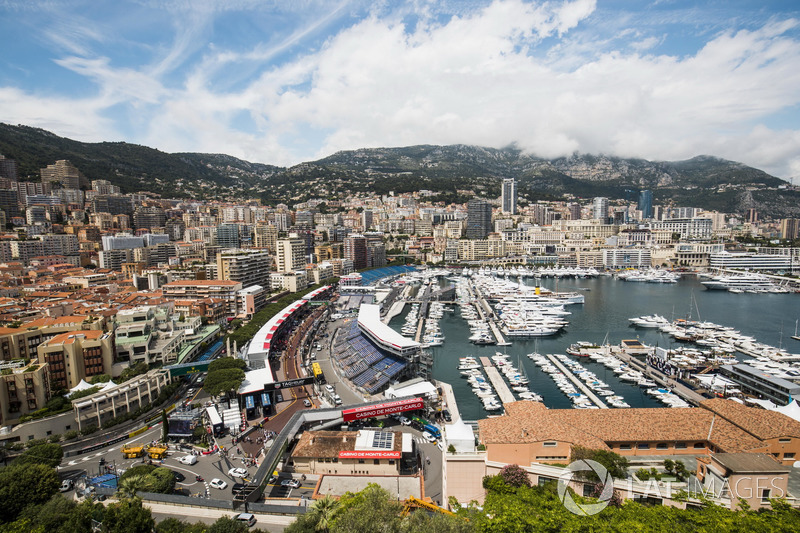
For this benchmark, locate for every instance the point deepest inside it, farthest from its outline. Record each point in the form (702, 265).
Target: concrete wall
(41, 429)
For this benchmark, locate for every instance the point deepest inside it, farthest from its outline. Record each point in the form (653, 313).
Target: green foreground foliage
(518, 507)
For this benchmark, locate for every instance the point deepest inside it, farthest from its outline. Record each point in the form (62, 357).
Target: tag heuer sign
(288, 384)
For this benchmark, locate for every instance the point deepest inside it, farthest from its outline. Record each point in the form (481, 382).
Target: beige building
(77, 355)
(529, 432)
(266, 236)
(365, 452)
(114, 400)
(201, 289)
(750, 477)
(24, 388)
(290, 255)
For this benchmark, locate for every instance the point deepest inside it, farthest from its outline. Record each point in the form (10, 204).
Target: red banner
(368, 454)
(382, 409)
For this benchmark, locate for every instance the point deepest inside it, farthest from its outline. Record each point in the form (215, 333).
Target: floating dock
(499, 384)
(495, 330)
(578, 383)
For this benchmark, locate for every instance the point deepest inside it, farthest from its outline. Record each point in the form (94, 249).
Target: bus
(317, 370)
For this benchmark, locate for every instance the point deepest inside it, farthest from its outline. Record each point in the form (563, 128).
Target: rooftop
(526, 422)
(743, 463)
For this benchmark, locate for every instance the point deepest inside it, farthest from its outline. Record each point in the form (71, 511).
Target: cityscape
(270, 321)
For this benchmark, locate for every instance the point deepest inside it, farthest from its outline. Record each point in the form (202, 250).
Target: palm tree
(128, 487)
(324, 510)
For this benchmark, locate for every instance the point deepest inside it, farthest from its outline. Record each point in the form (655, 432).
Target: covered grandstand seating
(361, 362)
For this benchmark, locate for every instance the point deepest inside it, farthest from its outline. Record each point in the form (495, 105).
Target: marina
(583, 388)
(605, 314)
(497, 381)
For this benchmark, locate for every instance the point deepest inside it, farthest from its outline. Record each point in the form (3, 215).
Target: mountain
(134, 167)
(453, 173)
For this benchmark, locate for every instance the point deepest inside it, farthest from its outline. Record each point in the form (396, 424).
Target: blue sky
(284, 82)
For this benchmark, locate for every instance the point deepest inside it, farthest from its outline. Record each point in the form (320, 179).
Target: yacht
(744, 282)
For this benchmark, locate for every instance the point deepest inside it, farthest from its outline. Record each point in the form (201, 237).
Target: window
(624, 446)
(788, 456)
(549, 444)
(765, 495)
(376, 461)
(680, 445)
(699, 446)
(643, 446)
(661, 446)
(361, 461)
(784, 441)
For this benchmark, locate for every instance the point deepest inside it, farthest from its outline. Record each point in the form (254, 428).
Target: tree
(164, 426)
(23, 485)
(129, 486)
(228, 525)
(323, 512)
(614, 463)
(515, 476)
(370, 510)
(52, 515)
(46, 454)
(223, 381)
(128, 516)
(226, 362)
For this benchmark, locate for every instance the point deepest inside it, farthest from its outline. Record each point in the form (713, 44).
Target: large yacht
(741, 282)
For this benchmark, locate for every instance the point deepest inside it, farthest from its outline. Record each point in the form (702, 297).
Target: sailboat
(795, 336)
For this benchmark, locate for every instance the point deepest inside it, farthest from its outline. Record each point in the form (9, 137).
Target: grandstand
(362, 362)
(371, 276)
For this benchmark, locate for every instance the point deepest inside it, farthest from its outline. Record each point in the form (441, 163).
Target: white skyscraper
(600, 208)
(509, 198)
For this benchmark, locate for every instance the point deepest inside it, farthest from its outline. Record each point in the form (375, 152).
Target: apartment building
(24, 388)
(290, 254)
(77, 355)
(224, 290)
(248, 267)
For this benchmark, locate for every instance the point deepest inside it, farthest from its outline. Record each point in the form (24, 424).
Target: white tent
(460, 436)
(81, 386)
(792, 410)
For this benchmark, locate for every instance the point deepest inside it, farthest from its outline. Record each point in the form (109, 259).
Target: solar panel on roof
(383, 440)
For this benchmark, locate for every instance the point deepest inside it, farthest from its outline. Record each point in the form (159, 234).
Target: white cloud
(504, 73)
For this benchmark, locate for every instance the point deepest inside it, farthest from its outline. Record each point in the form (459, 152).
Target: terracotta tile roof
(69, 337)
(595, 428)
(760, 423)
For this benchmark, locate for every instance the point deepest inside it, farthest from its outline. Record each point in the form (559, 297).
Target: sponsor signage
(368, 454)
(382, 409)
(288, 384)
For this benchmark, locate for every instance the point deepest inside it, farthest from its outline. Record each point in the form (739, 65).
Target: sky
(282, 82)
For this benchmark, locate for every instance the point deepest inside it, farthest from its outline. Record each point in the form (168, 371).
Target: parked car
(306, 403)
(428, 437)
(218, 484)
(337, 400)
(188, 459)
(247, 518)
(237, 472)
(293, 483)
(329, 387)
(447, 416)
(405, 421)
(66, 485)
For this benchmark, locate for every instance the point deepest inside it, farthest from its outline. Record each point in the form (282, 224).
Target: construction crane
(413, 503)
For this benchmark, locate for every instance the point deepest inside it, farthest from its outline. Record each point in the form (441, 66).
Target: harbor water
(609, 303)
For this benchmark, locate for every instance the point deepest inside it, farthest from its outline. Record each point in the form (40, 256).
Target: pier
(662, 379)
(578, 383)
(495, 330)
(396, 309)
(503, 392)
